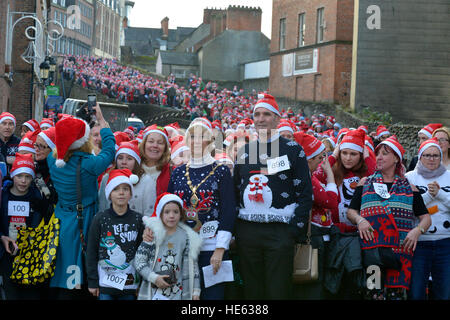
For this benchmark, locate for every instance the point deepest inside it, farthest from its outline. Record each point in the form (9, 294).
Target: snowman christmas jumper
(113, 242)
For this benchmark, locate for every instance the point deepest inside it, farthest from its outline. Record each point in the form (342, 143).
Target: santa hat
(121, 137)
(27, 142)
(285, 125)
(71, 134)
(331, 120)
(162, 200)
(382, 131)
(393, 143)
(140, 136)
(174, 127)
(130, 148)
(365, 128)
(332, 140)
(177, 146)
(311, 145)
(46, 123)
(32, 124)
(203, 122)
(7, 116)
(130, 132)
(23, 164)
(354, 140)
(119, 176)
(433, 142)
(341, 132)
(155, 128)
(268, 102)
(223, 158)
(429, 129)
(216, 124)
(49, 137)
(368, 142)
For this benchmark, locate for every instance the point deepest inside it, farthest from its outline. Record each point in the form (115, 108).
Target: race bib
(18, 208)
(112, 279)
(209, 229)
(381, 190)
(278, 164)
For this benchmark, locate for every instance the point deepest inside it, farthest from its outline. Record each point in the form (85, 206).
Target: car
(136, 123)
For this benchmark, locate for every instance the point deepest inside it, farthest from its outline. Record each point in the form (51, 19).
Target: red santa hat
(155, 128)
(285, 125)
(341, 132)
(433, 142)
(140, 136)
(331, 120)
(71, 134)
(7, 116)
(393, 143)
(354, 140)
(32, 124)
(27, 142)
(203, 122)
(365, 128)
(223, 158)
(162, 200)
(46, 123)
(119, 176)
(368, 142)
(382, 131)
(120, 137)
(130, 132)
(429, 129)
(268, 102)
(130, 148)
(177, 145)
(332, 140)
(49, 137)
(311, 145)
(174, 127)
(23, 164)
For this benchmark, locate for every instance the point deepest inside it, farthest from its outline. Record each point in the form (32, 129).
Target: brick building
(21, 91)
(311, 50)
(107, 29)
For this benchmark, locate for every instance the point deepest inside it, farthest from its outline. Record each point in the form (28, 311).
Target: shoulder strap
(80, 206)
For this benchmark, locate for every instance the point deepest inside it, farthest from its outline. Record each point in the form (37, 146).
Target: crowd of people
(155, 214)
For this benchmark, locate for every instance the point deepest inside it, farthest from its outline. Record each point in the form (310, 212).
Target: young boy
(20, 207)
(114, 236)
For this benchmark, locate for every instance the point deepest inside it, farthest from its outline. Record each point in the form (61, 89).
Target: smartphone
(92, 100)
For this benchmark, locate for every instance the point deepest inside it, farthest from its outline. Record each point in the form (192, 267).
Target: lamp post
(44, 68)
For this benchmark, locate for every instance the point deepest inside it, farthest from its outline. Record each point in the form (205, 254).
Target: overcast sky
(184, 13)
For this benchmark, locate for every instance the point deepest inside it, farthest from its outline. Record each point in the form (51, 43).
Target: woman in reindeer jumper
(173, 251)
(206, 190)
(350, 162)
(433, 248)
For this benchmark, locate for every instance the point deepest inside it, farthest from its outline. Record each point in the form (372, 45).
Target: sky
(184, 13)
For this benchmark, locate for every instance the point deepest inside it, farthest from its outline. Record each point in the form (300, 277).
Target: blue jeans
(431, 257)
(104, 296)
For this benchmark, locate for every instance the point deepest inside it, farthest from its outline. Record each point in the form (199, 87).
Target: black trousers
(266, 252)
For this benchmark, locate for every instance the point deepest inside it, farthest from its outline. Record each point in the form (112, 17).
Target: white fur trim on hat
(130, 153)
(157, 131)
(200, 123)
(24, 148)
(111, 185)
(425, 132)
(266, 106)
(22, 170)
(29, 126)
(315, 153)
(428, 145)
(393, 147)
(285, 128)
(47, 140)
(352, 146)
(8, 118)
(383, 134)
(166, 199)
(181, 149)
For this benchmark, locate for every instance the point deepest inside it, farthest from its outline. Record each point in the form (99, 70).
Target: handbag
(306, 260)
(35, 261)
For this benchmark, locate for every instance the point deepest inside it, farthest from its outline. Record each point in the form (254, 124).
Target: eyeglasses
(442, 140)
(40, 146)
(431, 156)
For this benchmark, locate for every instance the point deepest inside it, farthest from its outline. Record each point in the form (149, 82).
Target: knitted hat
(46, 123)
(23, 164)
(177, 146)
(32, 124)
(7, 116)
(433, 142)
(311, 145)
(162, 200)
(27, 142)
(121, 137)
(429, 129)
(49, 137)
(71, 134)
(382, 131)
(131, 148)
(353, 140)
(157, 129)
(119, 176)
(393, 143)
(268, 102)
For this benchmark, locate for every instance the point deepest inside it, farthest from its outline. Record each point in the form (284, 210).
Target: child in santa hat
(20, 208)
(168, 264)
(114, 236)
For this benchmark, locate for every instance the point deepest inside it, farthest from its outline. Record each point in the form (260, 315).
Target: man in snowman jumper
(274, 196)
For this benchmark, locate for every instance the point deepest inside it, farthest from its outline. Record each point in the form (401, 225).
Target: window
(301, 29)
(320, 25)
(283, 34)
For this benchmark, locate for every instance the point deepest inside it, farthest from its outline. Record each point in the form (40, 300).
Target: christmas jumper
(345, 192)
(214, 214)
(112, 245)
(285, 195)
(325, 199)
(179, 252)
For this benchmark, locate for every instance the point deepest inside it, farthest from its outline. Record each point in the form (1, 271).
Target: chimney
(165, 28)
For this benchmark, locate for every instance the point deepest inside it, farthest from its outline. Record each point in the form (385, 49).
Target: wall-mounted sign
(288, 64)
(306, 61)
